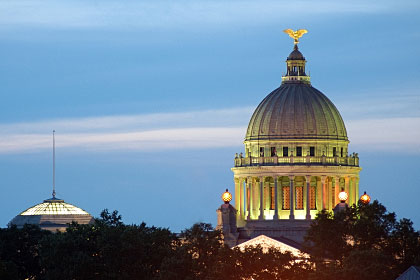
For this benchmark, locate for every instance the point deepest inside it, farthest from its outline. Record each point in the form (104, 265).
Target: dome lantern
(296, 61)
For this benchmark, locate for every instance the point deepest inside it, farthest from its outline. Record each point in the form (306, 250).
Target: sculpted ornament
(295, 34)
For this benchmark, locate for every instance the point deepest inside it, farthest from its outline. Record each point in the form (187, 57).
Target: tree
(107, 249)
(362, 241)
(19, 252)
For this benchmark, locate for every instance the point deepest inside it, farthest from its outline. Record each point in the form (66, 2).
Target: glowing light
(226, 196)
(342, 196)
(365, 198)
(50, 207)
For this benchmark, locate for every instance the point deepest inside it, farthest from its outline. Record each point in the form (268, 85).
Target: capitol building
(295, 163)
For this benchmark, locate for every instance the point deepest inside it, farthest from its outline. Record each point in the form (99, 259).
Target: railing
(352, 160)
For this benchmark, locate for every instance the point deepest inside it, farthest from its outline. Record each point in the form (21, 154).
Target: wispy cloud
(170, 14)
(387, 134)
(200, 129)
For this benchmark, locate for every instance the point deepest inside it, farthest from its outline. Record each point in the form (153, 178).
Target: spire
(53, 192)
(296, 61)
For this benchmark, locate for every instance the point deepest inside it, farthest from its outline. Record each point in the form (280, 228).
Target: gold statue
(295, 34)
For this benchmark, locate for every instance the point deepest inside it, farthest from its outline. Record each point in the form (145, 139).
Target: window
(272, 198)
(333, 196)
(312, 198)
(334, 151)
(341, 152)
(312, 151)
(285, 151)
(273, 151)
(261, 151)
(298, 151)
(299, 197)
(286, 198)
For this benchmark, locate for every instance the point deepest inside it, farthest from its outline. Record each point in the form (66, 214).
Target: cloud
(172, 14)
(154, 140)
(386, 104)
(150, 132)
(387, 134)
(187, 130)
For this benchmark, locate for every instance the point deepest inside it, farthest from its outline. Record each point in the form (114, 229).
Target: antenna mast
(53, 193)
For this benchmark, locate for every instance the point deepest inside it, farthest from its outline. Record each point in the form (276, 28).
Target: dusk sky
(150, 100)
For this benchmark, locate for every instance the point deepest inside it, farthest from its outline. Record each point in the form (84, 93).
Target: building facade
(296, 160)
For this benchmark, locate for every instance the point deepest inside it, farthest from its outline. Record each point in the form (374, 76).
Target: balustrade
(352, 160)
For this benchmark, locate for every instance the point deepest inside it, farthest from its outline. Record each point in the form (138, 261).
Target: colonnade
(295, 197)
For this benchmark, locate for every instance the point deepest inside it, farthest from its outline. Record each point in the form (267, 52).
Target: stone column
(356, 187)
(353, 187)
(276, 199)
(308, 197)
(243, 198)
(250, 197)
(292, 201)
(347, 189)
(238, 195)
(261, 216)
(330, 194)
(336, 190)
(323, 191)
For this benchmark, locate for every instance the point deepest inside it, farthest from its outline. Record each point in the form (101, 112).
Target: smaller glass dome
(54, 206)
(52, 214)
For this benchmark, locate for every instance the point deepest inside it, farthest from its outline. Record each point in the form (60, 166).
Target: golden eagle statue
(295, 34)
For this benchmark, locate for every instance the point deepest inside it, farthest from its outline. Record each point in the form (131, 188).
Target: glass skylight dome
(52, 214)
(54, 206)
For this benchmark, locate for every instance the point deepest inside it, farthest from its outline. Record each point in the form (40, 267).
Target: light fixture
(365, 198)
(227, 196)
(342, 196)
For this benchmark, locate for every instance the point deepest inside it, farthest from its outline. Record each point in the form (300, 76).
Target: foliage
(362, 241)
(19, 252)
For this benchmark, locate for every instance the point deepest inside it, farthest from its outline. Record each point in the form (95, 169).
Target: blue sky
(151, 99)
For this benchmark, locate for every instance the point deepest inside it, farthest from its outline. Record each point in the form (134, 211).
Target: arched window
(299, 197)
(312, 198)
(286, 197)
(272, 198)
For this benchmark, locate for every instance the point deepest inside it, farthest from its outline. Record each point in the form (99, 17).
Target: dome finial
(295, 34)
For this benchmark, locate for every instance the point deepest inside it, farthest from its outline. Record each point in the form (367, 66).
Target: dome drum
(352, 160)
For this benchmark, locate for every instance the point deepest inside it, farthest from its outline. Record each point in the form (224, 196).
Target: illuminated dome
(296, 111)
(52, 214)
(296, 159)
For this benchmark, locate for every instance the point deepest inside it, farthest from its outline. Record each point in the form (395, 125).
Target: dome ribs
(282, 126)
(265, 126)
(296, 111)
(310, 102)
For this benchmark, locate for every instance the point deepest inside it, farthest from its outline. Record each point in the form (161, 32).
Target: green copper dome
(296, 110)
